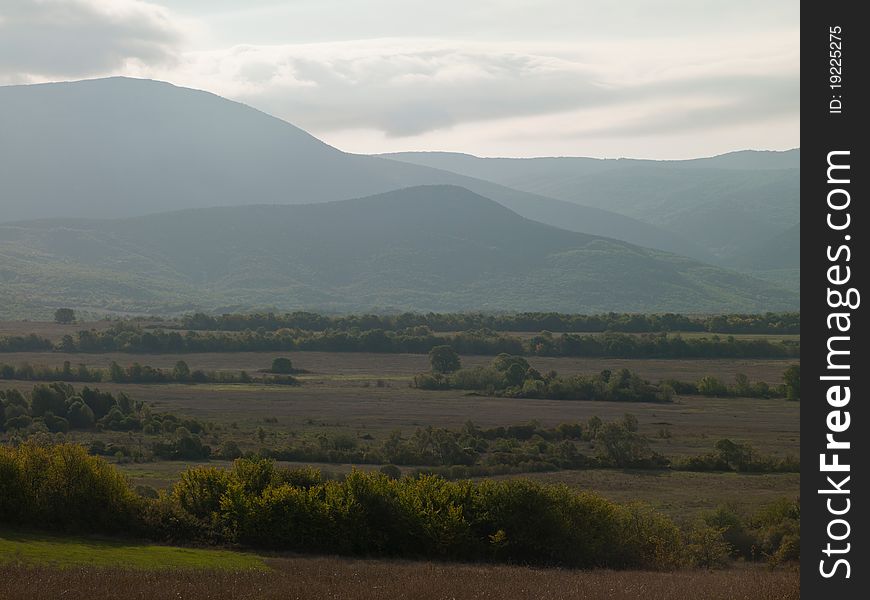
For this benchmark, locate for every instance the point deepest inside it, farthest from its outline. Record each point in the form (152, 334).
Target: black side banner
(835, 422)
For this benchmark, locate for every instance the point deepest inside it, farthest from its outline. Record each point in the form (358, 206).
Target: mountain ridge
(121, 146)
(400, 249)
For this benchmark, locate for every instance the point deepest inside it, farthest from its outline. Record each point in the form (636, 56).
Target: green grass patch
(30, 548)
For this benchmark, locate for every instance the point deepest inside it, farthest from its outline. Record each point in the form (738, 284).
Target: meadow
(367, 396)
(360, 400)
(327, 578)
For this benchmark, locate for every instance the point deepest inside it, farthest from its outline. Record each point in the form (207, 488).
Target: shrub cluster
(261, 505)
(63, 487)
(741, 458)
(517, 448)
(25, 343)
(59, 407)
(512, 376)
(771, 534)
(137, 373)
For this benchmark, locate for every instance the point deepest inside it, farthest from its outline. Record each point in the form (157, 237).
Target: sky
(635, 78)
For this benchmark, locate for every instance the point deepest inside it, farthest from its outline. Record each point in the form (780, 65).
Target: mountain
(121, 147)
(440, 248)
(781, 251)
(724, 203)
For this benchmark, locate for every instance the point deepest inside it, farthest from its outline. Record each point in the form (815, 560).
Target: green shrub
(61, 486)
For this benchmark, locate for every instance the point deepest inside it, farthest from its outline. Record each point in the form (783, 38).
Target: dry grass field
(333, 578)
(369, 395)
(49, 329)
(694, 423)
(370, 367)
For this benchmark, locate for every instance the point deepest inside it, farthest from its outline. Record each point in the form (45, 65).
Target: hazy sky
(639, 78)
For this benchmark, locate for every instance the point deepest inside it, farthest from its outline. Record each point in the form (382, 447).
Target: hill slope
(424, 248)
(122, 147)
(724, 203)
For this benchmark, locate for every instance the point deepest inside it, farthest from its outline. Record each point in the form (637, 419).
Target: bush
(391, 471)
(368, 513)
(705, 546)
(63, 487)
(282, 365)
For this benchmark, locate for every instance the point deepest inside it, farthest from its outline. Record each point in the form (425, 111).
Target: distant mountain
(781, 251)
(122, 147)
(423, 248)
(724, 203)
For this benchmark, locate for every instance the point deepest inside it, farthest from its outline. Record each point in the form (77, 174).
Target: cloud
(77, 38)
(618, 78)
(402, 87)
(407, 87)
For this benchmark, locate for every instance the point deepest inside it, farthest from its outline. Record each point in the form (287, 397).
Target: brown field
(370, 366)
(679, 494)
(49, 329)
(370, 395)
(694, 423)
(334, 578)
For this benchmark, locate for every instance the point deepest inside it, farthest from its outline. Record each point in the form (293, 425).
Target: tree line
(767, 323)
(513, 376)
(125, 337)
(60, 407)
(471, 451)
(280, 373)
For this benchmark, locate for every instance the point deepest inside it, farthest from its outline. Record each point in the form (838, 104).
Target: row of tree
(124, 337)
(774, 323)
(513, 376)
(137, 373)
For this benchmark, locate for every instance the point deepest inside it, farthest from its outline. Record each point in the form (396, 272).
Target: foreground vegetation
(260, 505)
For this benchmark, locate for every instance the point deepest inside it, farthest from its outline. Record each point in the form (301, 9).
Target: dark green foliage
(767, 323)
(472, 451)
(123, 337)
(260, 505)
(792, 379)
(181, 371)
(391, 471)
(64, 315)
(25, 343)
(444, 359)
(80, 415)
(771, 534)
(60, 407)
(49, 398)
(230, 450)
(282, 365)
(734, 456)
(134, 373)
(512, 376)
